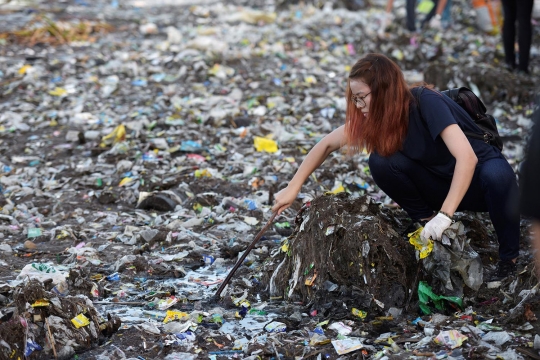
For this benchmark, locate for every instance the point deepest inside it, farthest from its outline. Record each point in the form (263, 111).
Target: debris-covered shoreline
(140, 148)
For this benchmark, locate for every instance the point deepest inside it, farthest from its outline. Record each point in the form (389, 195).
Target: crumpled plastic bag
(42, 272)
(447, 261)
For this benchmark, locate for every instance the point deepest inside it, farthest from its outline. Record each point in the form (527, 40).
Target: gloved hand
(386, 20)
(435, 227)
(435, 22)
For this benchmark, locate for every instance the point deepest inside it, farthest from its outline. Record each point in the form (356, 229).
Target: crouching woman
(420, 156)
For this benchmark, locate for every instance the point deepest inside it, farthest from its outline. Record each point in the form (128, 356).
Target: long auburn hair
(385, 128)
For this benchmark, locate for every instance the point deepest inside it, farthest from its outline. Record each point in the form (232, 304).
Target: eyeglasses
(360, 100)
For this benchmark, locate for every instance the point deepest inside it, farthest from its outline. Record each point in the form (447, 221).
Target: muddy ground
(57, 177)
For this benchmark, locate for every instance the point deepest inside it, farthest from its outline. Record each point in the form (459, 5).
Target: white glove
(435, 227)
(435, 23)
(386, 20)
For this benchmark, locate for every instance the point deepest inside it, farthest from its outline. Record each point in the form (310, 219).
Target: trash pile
(141, 144)
(353, 250)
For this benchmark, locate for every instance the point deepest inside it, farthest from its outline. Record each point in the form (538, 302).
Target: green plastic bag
(426, 294)
(425, 6)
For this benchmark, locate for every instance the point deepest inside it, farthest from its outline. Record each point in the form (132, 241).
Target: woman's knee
(378, 164)
(392, 166)
(497, 173)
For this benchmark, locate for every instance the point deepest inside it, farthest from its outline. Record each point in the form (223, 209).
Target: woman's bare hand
(284, 199)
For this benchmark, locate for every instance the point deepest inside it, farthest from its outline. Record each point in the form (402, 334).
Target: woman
(425, 163)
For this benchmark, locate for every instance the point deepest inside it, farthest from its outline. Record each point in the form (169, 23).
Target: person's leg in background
(411, 15)
(523, 15)
(509, 32)
(447, 14)
(529, 179)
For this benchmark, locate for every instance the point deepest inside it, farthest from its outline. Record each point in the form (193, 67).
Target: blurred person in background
(530, 187)
(517, 12)
(439, 15)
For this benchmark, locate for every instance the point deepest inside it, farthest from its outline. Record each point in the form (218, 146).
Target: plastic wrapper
(264, 144)
(80, 321)
(275, 327)
(347, 345)
(451, 339)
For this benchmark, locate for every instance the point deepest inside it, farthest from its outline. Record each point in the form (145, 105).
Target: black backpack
(476, 109)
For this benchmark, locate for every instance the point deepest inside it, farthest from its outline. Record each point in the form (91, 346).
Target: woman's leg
(509, 32)
(524, 14)
(447, 13)
(494, 188)
(420, 192)
(411, 15)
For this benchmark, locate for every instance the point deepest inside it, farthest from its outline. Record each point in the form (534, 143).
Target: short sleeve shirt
(423, 142)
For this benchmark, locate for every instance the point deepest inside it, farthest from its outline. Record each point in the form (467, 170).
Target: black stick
(243, 257)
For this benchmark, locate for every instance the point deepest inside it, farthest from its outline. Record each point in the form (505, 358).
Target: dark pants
(519, 11)
(420, 192)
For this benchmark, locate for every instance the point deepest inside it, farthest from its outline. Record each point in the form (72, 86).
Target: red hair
(385, 128)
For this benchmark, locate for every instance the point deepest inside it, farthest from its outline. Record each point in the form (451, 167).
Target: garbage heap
(44, 319)
(147, 155)
(347, 249)
(344, 246)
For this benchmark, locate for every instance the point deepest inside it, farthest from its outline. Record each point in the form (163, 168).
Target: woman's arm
(389, 6)
(466, 161)
(440, 7)
(315, 157)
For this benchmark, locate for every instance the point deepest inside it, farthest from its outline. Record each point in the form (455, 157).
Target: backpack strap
(453, 93)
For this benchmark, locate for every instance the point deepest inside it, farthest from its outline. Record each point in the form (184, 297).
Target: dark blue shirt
(423, 142)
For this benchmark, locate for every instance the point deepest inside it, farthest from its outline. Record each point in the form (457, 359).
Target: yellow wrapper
(338, 189)
(125, 181)
(174, 315)
(40, 303)
(58, 92)
(117, 135)
(24, 69)
(424, 246)
(264, 144)
(360, 313)
(80, 321)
